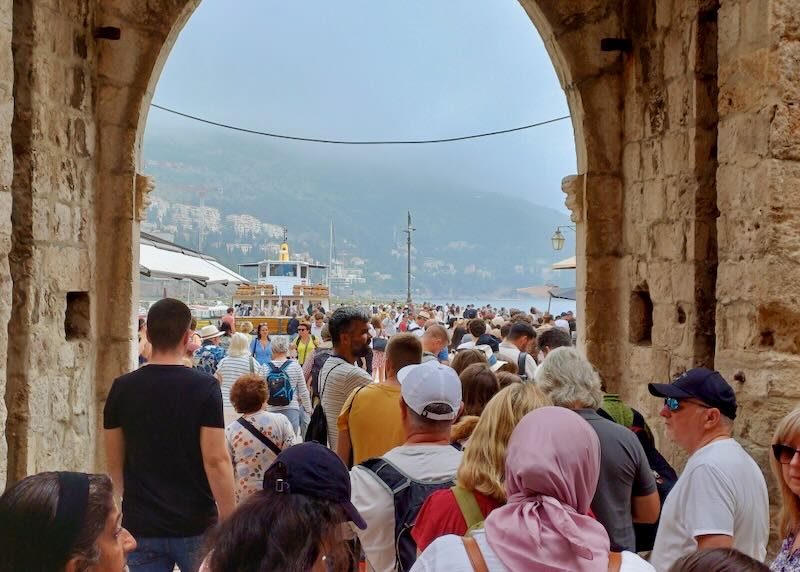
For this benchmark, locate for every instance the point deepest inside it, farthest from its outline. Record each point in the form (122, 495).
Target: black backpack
(279, 385)
(521, 371)
(409, 495)
(321, 355)
(318, 424)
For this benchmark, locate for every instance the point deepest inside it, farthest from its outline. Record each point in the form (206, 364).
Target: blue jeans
(162, 554)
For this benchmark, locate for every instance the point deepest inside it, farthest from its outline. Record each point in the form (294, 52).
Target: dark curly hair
(27, 524)
(341, 320)
(248, 393)
(279, 531)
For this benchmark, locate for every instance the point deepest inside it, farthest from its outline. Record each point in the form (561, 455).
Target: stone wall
(669, 164)
(758, 291)
(6, 175)
(49, 393)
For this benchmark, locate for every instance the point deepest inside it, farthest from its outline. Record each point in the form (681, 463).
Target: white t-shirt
(465, 346)
(562, 323)
(509, 352)
(448, 553)
(375, 503)
(721, 491)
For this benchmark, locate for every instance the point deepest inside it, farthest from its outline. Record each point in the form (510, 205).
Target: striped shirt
(301, 395)
(337, 381)
(232, 368)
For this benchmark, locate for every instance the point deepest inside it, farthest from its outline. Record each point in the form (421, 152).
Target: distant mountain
(468, 241)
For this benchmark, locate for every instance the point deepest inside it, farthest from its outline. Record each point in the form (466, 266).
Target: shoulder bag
(474, 553)
(268, 443)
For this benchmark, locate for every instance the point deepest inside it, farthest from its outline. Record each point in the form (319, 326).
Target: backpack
(409, 495)
(468, 505)
(317, 429)
(321, 355)
(521, 358)
(279, 385)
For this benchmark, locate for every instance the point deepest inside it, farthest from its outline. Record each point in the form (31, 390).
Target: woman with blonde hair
(785, 465)
(245, 328)
(237, 363)
(479, 481)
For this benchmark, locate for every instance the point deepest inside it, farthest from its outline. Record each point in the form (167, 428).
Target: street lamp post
(558, 239)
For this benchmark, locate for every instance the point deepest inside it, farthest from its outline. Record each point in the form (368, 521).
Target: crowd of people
(394, 439)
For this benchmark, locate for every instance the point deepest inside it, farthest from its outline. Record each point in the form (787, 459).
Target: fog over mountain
(469, 239)
(357, 69)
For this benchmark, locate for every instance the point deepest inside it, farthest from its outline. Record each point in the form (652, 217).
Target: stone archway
(686, 201)
(591, 80)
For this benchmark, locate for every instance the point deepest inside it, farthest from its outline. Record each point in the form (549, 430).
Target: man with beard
(349, 329)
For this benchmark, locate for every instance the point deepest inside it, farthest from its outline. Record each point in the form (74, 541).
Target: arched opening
(590, 79)
(214, 186)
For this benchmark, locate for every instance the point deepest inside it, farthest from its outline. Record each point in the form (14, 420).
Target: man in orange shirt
(370, 424)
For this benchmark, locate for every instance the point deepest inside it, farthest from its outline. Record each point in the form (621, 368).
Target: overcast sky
(366, 69)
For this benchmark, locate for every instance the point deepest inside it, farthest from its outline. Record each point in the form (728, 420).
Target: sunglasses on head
(784, 453)
(674, 404)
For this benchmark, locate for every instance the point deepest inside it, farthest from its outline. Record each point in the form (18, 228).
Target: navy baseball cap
(314, 470)
(703, 384)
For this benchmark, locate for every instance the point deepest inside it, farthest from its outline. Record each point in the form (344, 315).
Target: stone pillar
(758, 287)
(50, 361)
(591, 79)
(6, 176)
(669, 162)
(127, 72)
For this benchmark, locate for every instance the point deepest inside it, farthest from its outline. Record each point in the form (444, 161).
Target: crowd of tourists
(393, 439)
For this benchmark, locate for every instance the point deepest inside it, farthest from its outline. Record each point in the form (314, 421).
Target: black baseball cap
(314, 470)
(701, 383)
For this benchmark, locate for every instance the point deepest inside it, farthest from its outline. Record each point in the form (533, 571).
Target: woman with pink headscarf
(552, 467)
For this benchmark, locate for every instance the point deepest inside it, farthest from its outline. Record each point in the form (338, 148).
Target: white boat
(282, 286)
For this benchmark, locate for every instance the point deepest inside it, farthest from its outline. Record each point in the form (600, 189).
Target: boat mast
(408, 232)
(330, 256)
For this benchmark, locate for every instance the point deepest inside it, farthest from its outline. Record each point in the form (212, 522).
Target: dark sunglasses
(784, 453)
(674, 404)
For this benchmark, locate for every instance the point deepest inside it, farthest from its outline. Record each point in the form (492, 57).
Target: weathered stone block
(744, 138)
(785, 20)
(632, 161)
(784, 70)
(679, 103)
(784, 133)
(654, 200)
(675, 149)
(652, 160)
(668, 240)
(755, 22)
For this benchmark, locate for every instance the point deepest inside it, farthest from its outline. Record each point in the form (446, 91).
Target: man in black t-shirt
(166, 448)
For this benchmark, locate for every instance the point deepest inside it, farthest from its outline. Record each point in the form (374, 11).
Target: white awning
(162, 259)
(566, 264)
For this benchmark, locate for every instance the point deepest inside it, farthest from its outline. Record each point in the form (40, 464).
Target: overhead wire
(357, 142)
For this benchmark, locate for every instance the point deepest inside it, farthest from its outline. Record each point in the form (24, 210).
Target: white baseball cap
(424, 384)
